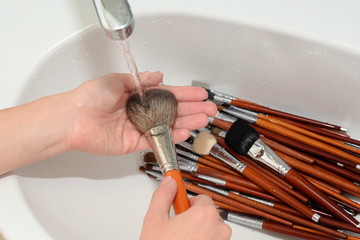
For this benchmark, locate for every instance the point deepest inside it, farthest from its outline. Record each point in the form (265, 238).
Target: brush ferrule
(222, 94)
(214, 189)
(245, 220)
(249, 117)
(187, 154)
(217, 181)
(222, 99)
(223, 155)
(163, 147)
(225, 117)
(222, 133)
(185, 161)
(236, 110)
(263, 153)
(187, 168)
(263, 201)
(154, 173)
(185, 145)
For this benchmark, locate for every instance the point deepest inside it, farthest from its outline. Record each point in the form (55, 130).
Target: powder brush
(243, 139)
(154, 114)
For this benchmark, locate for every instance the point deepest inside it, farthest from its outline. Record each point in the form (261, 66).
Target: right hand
(200, 221)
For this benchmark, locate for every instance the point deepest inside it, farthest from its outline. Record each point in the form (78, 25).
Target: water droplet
(169, 22)
(86, 54)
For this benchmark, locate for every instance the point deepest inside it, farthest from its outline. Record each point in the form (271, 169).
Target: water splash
(130, 61)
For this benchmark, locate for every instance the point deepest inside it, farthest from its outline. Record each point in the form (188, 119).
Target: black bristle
(211, 95)
(224, 214)
(241, 137)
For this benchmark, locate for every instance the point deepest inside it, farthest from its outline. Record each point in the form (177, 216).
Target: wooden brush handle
(279, 228)
(181, 201)
(318, 196)
(305, 139)
(276, 191)
(308, 133)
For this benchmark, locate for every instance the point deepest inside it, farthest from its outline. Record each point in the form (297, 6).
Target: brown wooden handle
(181, 202)
(318, 196)
(279, 228)
(276, 191)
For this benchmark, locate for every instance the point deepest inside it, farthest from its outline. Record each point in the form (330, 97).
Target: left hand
(100, 124)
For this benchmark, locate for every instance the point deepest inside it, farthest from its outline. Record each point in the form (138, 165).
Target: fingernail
(166, 180)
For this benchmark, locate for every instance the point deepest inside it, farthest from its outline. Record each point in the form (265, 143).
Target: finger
(191, 122)
(190, 108)
(163, 198)
(201, 200)
(147, 79)
(186, 93)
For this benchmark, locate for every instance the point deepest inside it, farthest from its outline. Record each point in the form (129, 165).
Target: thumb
(163, 198)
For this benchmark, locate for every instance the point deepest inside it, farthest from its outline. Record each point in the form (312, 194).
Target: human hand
(100, 124)
(200, 221)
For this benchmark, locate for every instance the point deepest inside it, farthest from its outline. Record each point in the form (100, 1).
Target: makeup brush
(205, 144)
(243, 139)
(260, 223)
(258, 108)
(154, 114)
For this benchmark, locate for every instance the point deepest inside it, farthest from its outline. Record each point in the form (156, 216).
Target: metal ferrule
(251, 118)
(259, 200)
(233, 110)
(222, 94)
(163, 147)
(222, 133)
(115, 18)
(193, 134)
(186, 145)
(245, 220)
(211, 120)
(214, 189)
(263, 153)
(154, 173)
(215, 180)
(185, 161)
(225, 117)
(220, 153)
(187, 154)
(156, 168)
(222, 99)
(188, 168)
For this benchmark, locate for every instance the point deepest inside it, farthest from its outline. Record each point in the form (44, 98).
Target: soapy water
(130, 61)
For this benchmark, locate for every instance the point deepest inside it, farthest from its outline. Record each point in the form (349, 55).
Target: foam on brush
(156, 108)
(203, 143)
(241, 136)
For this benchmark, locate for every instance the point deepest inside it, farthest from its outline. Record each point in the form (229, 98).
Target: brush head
(241, 137)
(157, 107)
(224, 214)
(203, 143)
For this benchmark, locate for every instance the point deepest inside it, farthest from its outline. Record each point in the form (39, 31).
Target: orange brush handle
(181, 202)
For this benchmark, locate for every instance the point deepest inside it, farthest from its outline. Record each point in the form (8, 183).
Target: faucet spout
(115, 17)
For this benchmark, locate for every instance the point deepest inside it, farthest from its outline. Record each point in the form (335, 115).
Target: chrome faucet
(115, 17)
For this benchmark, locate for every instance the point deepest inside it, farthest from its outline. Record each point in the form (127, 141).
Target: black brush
(243, 139)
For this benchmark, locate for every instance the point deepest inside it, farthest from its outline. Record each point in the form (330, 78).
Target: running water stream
(130, 61)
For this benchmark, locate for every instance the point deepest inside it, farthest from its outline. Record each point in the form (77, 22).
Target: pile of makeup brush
(273, 170)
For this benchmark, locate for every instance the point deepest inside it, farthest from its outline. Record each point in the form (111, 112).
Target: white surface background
(31, 28)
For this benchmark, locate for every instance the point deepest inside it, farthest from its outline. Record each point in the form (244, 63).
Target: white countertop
(31, 28)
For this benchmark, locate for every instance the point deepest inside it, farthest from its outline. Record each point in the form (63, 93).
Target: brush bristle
(224, 214)
(241, 137)
(203, 143)
(156, 108)
(149, 157)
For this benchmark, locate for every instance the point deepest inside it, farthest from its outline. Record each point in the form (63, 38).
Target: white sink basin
(79, 196)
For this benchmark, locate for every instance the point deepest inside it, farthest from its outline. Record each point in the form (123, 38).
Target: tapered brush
(243, 139)
(154, 114)
(206, 144)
